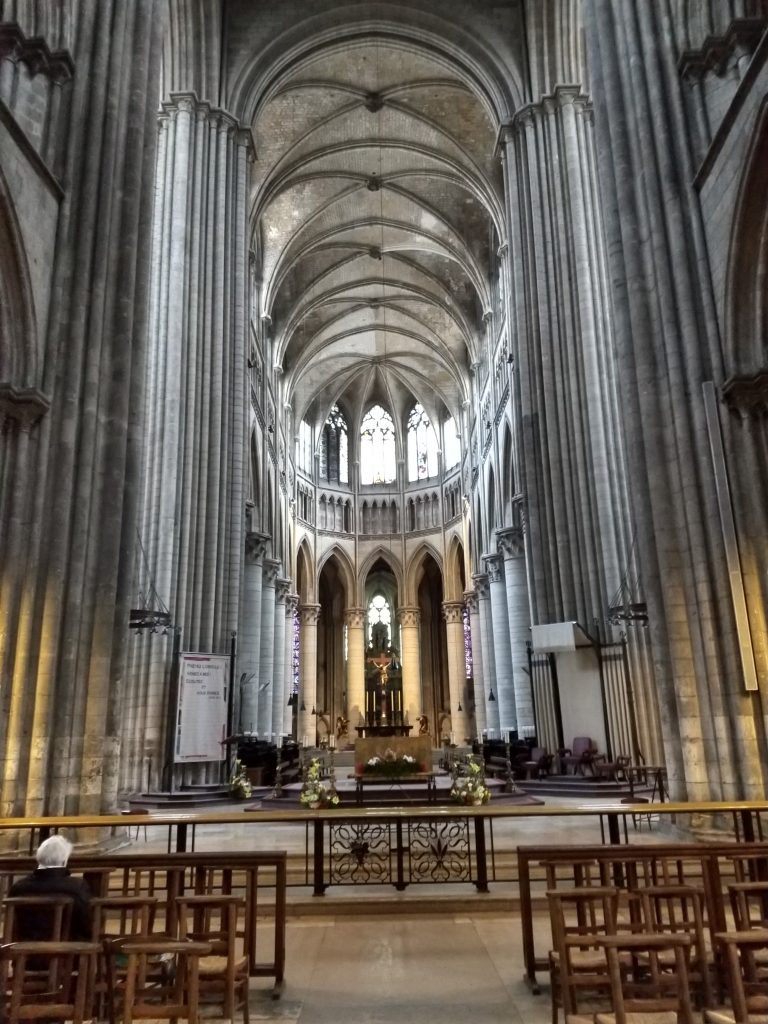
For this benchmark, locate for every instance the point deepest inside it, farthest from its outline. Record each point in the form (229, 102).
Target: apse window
(377, 447)
(422, 446)
(305, 448)
(380, 621)
(451, 444)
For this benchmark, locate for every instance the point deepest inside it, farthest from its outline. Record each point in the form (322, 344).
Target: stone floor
(391, 958)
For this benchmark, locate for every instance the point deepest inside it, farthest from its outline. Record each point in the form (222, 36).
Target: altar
(384, 715)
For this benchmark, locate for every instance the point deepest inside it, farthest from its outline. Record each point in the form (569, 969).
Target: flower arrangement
(239, 784)
(470, 788)
(391, 764)
(314, 792)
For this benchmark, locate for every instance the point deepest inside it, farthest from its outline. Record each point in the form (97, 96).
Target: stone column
(267, 652)
(249, 637)
(354, 620)
(307, 722)
(472, 603)
(194, 479)
(291, 604)
(511, 545)
(482, 589)
(279, 688)
(505, 686)
(453, 612)
(410, 657)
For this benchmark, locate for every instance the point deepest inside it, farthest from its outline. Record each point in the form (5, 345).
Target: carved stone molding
(747, 394)
(291, 605)
(309, 614)
(22, 408)
(742, 36)
(354, 618)
(453, 612)
(480, 580)
(282, 589)
(511, 542)
(472, 601)
(55, 64)
(255, 547)
(495, 566)
(270, 572)
(409, 617)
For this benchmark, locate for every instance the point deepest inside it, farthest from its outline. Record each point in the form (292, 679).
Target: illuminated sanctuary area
(380, 367)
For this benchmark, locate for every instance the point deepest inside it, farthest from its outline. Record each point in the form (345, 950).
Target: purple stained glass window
(296, 637)
(467, 643)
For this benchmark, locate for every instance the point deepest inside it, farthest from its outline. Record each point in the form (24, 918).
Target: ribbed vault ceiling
(376, 210)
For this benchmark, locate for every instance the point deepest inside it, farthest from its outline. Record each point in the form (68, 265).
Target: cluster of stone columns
(192, 530)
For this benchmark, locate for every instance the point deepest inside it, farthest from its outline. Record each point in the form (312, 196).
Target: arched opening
(333, 599)
(434, 647)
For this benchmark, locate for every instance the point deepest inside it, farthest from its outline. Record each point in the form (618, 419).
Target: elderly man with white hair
(51, 877)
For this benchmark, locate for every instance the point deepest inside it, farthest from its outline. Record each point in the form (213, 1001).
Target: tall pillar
(511, 544)
(354, 620)
(279, 689)
(483, 591)
(472, 603)
(194, 465)
(291, 605)
(505, 686)
(453, 612)
(249, 637)
(410, 656)
(267, 652)
(309, 615)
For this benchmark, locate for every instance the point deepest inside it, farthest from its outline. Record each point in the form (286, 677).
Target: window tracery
(422, 446)
(334, 460)
(377, 447)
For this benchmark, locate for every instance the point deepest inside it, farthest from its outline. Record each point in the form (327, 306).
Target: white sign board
(201, 715)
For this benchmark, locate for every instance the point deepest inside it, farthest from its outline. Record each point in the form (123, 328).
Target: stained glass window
(422, 446)
(333, 448)
(377, 447)
(451, 444)
(379, 611)
(467, 643)
(305, 448)
(296, 647)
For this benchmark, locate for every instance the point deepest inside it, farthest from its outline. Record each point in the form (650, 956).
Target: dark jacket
(36, 925)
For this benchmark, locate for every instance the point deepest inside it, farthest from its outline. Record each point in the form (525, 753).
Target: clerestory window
(334, 460)
(377, 447)
(422, 446)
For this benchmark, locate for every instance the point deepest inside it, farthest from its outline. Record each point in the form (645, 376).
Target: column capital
(255, 547)
(269, 572)
(495, 566)
(282, 589)
(354, 617)
(291, 604)
(511, 542)
(409, 617)
(472, 601)
(309, 614)
(480, 580)
(453, 611)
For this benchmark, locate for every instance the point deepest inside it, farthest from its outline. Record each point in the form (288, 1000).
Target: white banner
(201, 716)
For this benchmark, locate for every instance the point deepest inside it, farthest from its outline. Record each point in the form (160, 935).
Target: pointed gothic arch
(19, 364)
(305, 578)
(507, 475)
(454, 576)
(415, 569)
(345, 568)
(386, 555)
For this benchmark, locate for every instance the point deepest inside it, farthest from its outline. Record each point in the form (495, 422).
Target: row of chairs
(647, 951)
(128, 970)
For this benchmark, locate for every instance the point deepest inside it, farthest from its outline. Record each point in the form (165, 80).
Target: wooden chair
(59, 991)
(577, 966)
(137, 993)
(118, 917)
(23, 915)
(579, 756)
(224, 974)
(679, 910)
(648, 979)
(746, 978)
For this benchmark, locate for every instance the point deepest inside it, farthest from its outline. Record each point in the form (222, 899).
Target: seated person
(52, 878)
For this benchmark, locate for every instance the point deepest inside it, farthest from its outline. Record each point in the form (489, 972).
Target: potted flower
(470, 788)
(314, 792)
(239, 784)
(391, 764)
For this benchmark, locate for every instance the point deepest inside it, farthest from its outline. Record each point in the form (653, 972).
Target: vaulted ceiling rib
(377, 209)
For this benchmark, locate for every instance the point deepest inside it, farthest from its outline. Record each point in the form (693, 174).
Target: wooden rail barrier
(710, 865)
(167, 876)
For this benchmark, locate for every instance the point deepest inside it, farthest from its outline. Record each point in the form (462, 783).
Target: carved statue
(423, 725)
(342, 724)
(379, 637)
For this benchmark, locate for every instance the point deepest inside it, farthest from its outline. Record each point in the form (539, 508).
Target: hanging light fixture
(459, 708)
(491, 697)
